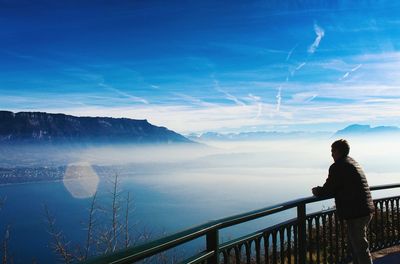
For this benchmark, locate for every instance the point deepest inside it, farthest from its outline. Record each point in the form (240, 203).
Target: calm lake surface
(175, 195)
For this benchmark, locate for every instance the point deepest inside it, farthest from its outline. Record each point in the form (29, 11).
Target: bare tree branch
(127, 236)
(59, 244)
(111, 234)
(89, 237)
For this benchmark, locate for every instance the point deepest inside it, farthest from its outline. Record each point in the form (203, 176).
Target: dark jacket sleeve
(332, 183)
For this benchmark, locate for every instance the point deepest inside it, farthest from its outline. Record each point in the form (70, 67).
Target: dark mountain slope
(39, 127)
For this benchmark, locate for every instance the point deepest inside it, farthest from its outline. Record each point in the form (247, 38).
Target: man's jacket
(347, 183)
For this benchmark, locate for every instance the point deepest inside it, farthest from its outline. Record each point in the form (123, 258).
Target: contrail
(320, 34)
(278, 99)
(257, 100)
(356, 68)
(133, 98)
(301, 65)
(352, 70)
(291, 52)
(313, 47)
(228, 95)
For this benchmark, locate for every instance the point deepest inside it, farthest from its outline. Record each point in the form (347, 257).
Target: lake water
(176, 193)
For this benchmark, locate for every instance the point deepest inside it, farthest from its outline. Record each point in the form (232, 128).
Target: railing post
(212, 238)
(301, 224)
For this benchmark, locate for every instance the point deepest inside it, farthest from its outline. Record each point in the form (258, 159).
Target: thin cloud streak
(257, 100)
(181, 118)
(231, 97)
(351, 71)
(133, 98)
(193, 100)
(279, 99)
(291, 52)
(300, 66)
(320, 34)
(228, 95)
(292, 73)
(303, 97)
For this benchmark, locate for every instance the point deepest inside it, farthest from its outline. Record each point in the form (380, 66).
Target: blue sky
(196, 66)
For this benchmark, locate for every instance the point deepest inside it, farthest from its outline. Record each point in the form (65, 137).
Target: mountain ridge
(364, 130)
(42, 127)
(350, 130)
(256, 135)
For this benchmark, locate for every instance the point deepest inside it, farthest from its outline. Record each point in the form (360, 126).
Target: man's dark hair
(342, 145)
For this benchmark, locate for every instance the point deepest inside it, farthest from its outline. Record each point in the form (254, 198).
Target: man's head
(340, 149)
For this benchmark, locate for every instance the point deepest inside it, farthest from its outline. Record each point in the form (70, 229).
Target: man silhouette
(347, 183)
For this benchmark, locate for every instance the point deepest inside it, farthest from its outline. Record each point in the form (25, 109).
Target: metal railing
(308, 238)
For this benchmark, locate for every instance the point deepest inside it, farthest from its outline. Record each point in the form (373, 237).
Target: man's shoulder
(334, 168)
(350, 162)
(343, 163)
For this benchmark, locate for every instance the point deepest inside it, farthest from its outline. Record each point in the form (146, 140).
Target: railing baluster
(324, 245)
(226, 255)
(248, 251)
(377, 244)
(274, 253)
(318, 239)
(394, 221)
(387, 225)
(295, 244)
(330, 260)
(282, 244)
(289, 243)
(258, 249)
(392, 226)
(266, 248)
(238, 253)
(343, 240)
(337, 236)
(398, 220)
(382, 229)
(310, 241)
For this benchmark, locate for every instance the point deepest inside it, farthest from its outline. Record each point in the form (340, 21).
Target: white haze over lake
(246, 175)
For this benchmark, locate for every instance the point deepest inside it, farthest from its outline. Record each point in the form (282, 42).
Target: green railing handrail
(165, 243)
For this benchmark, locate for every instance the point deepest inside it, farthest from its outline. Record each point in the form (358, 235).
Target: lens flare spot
(81, 180)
